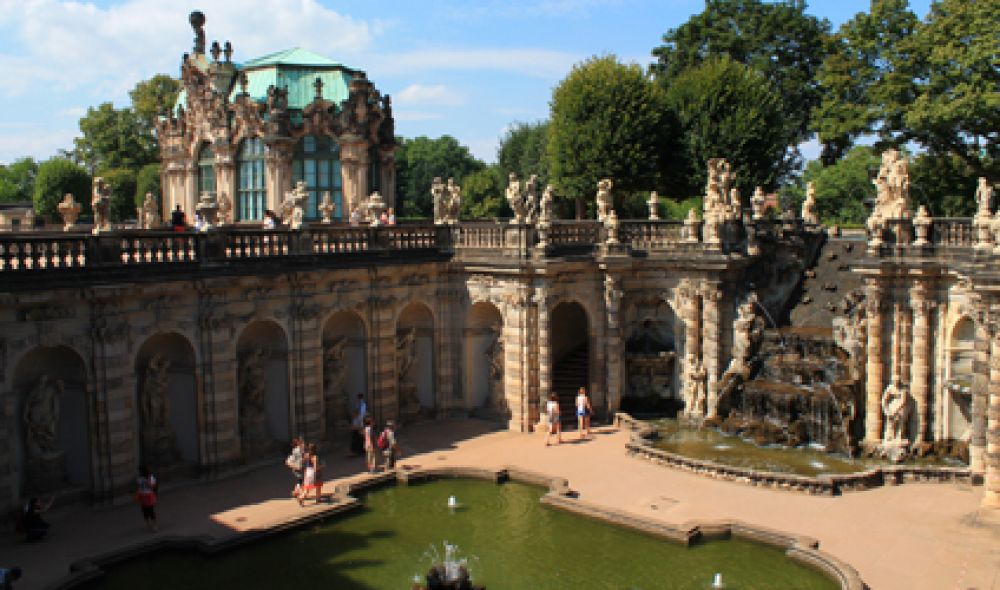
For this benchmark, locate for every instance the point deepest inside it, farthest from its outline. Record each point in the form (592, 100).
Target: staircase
(568, 375)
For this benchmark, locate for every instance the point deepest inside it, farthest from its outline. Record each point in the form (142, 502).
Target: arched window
(250, 191)
(206, 170)
(374, 171)
(317, 161)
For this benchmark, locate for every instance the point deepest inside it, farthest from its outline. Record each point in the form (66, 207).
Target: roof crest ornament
(318, 84)
(227, 51)
(197, 20)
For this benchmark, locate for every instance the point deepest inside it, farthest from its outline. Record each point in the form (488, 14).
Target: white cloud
(31, 142)
(541, 63)
(108, 50)
(436, 94)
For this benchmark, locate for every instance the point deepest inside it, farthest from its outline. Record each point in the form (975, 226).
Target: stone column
(689, 304)
(382, 397)
(449, 394)
(613, 343)
(354, 171)
(980, 388)
(991, 495)
(874, 369)
(711, 341)
(190, 191)
(544, 352)
(277, 172)
(305, 365)
(920, 370)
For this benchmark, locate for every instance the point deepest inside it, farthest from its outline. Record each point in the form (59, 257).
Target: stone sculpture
(495, 355)
(453, 202)
(437, 197)
(406, 355)
(522, 204)
(654, 206)
(327, 208)
(374, 206)
(334, 376)
(298, 198)
(254, 433)
(225, 212)
(603, 199)
(757, 203)
(546, 205)
(984, 198)
(896, 407)
(150, 212)
(41, 416)
(695, 394)
(69, 210)
(809, 205)
(100, 202)
(892, 187)
(746, 329)
(158, 440)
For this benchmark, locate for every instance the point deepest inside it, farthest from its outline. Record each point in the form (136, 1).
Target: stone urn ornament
(654, 206)
(326, 208)
(69, 210)
(376, 206)
(208, 208)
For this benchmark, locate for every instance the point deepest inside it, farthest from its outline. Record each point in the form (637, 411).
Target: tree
(522, 151)
(154, 98)
(147, 181)
(607, 121)
(727, 110)
(944, 183)
(419, 161)
(121, 183)
(17, 180)
(55, 178)
(114, 138)
(777, 39)
(865, 80)
(483, 194)
(842, 188)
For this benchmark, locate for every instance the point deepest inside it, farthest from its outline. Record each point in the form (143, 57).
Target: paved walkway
(913, 536)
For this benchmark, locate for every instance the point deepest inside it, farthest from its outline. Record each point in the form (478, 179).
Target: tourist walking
(295, 462)
(145, 495)
(370, 452)
(358, 425)
(313, 480)
(555, 424)
(583, 412)
(387, 445)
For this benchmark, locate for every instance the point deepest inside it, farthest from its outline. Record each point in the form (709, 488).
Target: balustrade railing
(150, 247)
(952, 231)
(651, 235)
(478, 235)
(564, 234)
(36, 251)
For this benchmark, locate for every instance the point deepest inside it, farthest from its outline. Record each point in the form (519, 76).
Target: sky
(465, 68)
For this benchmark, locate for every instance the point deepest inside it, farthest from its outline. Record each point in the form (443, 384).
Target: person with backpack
(387, 446)
(371, 456)
(146, 496)
(295, 462)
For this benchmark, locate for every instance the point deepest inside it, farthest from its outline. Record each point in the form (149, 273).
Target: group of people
(381, 447)
(583, 413)
(388, 217)
(305, 463)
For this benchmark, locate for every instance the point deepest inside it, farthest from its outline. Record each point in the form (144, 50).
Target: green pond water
(510, 540)
(710, 444)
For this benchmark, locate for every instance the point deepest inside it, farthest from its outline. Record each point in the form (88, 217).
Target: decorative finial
(216, 50)
(227, 50)
(197, 20)
(244, 82)
(318, 84)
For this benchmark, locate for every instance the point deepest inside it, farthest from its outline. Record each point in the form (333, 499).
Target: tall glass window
(374, 171)
(250, 182)
(206, 170)
(317, 161)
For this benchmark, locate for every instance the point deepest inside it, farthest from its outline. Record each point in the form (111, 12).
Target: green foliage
(114, 138)
(419, 161)
(671, 209)
(147, 181)
(153, 98)
(55, 178)
(866, 81)
(727, 110)
(841, 188)
(483, 194)
(121, 182)
(607, 121)
(17, 180)
(522, 151)
(944, 183)
(777, 39)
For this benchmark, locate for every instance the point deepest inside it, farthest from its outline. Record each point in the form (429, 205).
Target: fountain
(717, 581)
(452, 502)
(451, 574)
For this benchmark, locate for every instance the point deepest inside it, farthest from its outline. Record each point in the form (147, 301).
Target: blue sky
(464, 68)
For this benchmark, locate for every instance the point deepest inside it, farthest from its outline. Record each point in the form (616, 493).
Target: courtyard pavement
(914, 536)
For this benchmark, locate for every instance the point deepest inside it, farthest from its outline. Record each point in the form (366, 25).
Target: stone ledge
(827, 485)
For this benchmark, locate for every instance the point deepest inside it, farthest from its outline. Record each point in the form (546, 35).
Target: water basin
(510, 540)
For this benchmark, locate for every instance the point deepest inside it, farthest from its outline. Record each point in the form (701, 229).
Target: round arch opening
(167, 397)
(345, 367)
(415, 372)
(570, 341)
(263, 389)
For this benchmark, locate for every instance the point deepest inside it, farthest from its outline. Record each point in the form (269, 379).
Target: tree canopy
(17, 180)
(114, 138)
(55, 178)
(523, 151)
(777, 39)
(419, 160)
(153, 98)
(607, 121)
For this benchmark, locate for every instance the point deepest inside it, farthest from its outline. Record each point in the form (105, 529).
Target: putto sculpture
(809, 205)
(892, 186)
(100, 202)
(523, 204)
(603, 199)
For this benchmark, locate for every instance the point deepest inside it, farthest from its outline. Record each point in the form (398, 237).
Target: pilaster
(277, 171)
(920, 370)
(613, 342)
(991, 495)
(980, 389)
(711, 341)
(874, 368)
(354, 171)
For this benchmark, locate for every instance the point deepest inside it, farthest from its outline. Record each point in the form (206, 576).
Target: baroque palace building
(203, 352)
(248, 132)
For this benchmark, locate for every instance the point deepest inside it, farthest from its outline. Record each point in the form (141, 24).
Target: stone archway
(53, 415)
(483, 365)
(167, 402)
(956, 403)
(345, 367)
(262, 388)
(570, 337)
(415, 362)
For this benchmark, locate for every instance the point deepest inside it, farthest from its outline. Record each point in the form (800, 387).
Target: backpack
(383, 440)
